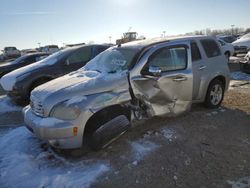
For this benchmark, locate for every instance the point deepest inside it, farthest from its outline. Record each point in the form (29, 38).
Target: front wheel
(215, 94)
(109, 132)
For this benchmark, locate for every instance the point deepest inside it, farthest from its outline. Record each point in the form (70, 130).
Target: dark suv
(21, 82)
(22, 61)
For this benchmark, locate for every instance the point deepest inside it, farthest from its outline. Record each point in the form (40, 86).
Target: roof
(148, 42)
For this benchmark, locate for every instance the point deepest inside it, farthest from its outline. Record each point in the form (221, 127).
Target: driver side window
(80, 56)
(169, 59)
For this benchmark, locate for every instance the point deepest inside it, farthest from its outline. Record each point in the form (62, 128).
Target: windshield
(112, 60)
(56, 56)
(19, 60)
(10, 48)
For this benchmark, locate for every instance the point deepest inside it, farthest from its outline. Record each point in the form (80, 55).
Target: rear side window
(169, 59)
(80, 56)
(211, 48)
(196, 55)
(31, 59)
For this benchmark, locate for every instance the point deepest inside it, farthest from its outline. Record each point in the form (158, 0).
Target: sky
(25, 23)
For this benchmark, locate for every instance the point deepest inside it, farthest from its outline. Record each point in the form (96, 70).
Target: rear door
(199, 67)
(163, 79)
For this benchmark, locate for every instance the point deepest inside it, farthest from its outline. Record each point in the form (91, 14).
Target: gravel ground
(203, 148)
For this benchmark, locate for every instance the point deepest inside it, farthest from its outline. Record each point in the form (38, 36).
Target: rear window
(196, 55)
(211, 48)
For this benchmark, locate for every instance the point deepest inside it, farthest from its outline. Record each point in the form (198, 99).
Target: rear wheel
(215, 94)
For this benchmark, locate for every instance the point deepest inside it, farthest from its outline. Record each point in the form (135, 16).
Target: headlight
(65, 112)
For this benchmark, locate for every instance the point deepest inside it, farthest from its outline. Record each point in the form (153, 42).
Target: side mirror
(155, 71)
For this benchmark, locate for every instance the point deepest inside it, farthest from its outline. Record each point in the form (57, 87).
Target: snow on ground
(239, 76)
(144, 146)
(23, 163)
(239, 80)
(7, 106)
(241, 183)
(141, 148)
(215, 112)
(168, 133)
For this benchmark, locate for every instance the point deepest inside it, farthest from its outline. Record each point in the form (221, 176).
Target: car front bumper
(240, 49)
(245, 66)
(58, 133)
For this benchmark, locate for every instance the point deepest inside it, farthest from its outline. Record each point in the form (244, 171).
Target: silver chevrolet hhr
(96, 104)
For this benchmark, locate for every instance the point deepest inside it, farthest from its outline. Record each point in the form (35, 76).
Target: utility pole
(110, 39)
(164, 34)
(39, 44)
(232, 29)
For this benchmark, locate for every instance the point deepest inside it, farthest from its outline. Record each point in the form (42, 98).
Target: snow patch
(239, 84)
(220, 109)
(76, 99)
(7, 106)
(239, 76)
(23, 163)
(241, 183)
(142, 148)
(168, 133)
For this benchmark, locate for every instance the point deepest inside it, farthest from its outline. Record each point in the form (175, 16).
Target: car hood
(77, 83)
(9, 80)
(242, 42)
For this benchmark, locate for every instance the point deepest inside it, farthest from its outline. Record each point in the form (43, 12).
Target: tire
(215, 94)
(109, 132)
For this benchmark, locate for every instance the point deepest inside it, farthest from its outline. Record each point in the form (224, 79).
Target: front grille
(36, 106)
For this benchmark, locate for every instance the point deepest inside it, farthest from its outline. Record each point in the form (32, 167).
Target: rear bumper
(58, 133)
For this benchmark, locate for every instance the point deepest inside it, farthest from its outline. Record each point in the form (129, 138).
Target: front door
(78, 59)
(163, 80)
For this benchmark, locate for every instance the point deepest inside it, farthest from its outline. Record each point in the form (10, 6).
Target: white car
(50, 49)
(11, 52)
(242, 45)
(227, 48)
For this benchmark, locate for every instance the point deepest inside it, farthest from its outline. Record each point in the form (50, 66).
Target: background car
(28, 51)
(242, 45)
(227, 48)
(11, 52)
(245, 64)
(50, 49)
(227, 38)
(21, 82)
(21, 62)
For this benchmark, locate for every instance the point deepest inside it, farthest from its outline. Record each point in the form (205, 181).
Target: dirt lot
(203, 148)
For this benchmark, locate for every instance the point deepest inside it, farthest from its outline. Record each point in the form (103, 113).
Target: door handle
(179, 79)
(202, 67)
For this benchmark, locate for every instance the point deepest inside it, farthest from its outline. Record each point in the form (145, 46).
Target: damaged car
(127, 83)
